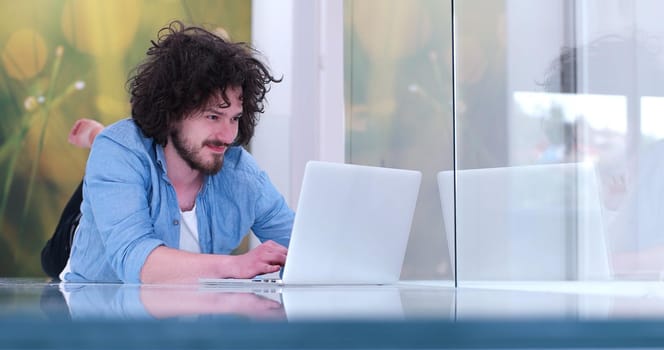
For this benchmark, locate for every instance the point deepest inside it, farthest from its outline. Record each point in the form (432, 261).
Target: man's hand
(266, 258)
(169, 265)
(84, 132)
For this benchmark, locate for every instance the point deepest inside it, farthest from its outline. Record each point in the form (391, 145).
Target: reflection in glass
(398, 108)
(652, 118)
(553, 82)
(567, 127)
(535, 222)
(567, 84)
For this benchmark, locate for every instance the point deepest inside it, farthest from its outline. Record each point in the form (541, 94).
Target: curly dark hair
(184, 69)
(601, 55)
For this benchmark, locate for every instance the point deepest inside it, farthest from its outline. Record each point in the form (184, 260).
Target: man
(169, 193)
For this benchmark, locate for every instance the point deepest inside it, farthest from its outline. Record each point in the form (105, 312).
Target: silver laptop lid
(351, 224)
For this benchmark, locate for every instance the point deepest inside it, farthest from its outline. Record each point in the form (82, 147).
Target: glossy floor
(412, 300)
(416, 314)
(33, 298)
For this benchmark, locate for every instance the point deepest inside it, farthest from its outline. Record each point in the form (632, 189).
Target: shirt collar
(161, 157)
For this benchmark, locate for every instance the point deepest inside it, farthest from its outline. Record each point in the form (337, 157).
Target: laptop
(536, 222)
(351, 226)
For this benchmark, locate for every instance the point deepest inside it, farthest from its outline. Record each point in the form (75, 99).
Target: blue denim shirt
(130, 207)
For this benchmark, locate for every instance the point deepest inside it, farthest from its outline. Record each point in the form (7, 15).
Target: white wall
(304, 119)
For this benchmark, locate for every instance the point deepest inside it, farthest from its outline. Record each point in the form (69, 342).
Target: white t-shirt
(189, 231)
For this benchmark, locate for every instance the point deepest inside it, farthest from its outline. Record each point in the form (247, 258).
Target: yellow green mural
(61, 60)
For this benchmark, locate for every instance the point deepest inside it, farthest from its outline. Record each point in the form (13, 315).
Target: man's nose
(226, 131)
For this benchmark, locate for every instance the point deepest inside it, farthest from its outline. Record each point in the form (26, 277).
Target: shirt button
(176, 222)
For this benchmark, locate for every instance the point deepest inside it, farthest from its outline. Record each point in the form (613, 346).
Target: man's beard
(191, 155)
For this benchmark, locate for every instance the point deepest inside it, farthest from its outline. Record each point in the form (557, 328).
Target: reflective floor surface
(42, 300)
(415, 314)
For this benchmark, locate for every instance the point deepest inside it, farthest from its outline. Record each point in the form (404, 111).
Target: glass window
(555, 137)
(399, 108)
(561, 131)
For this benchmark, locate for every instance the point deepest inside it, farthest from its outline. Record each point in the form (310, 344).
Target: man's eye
(236, 118)
(212, 117)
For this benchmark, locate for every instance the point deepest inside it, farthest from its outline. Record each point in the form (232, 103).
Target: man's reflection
(636, 231)
(632, 185)
(269, 303)
(126, 301)
(167, 302)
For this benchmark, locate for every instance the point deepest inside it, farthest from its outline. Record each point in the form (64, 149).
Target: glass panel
(399, 114)
(559, 120)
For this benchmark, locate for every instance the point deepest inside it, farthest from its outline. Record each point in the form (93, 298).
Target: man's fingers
(272, 246)
(276, 259)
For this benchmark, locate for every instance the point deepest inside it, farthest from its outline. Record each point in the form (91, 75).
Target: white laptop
(537, 222)
(351, 226)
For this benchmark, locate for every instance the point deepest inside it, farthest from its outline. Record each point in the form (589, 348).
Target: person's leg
(55, 253)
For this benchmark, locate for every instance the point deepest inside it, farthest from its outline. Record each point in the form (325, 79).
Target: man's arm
(168, 265)
(274, 219)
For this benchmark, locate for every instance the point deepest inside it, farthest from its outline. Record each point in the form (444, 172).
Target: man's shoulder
(122, 128)
(240, 160)
(242, 171)
(125, 132)
(240, 164)
(118, 144)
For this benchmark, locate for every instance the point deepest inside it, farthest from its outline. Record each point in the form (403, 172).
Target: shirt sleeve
(274, 219)
(117, 188)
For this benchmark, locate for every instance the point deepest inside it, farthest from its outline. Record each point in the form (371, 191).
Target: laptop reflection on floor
(351, 226)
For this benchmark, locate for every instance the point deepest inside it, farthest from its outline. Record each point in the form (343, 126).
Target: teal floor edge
(243, 334)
